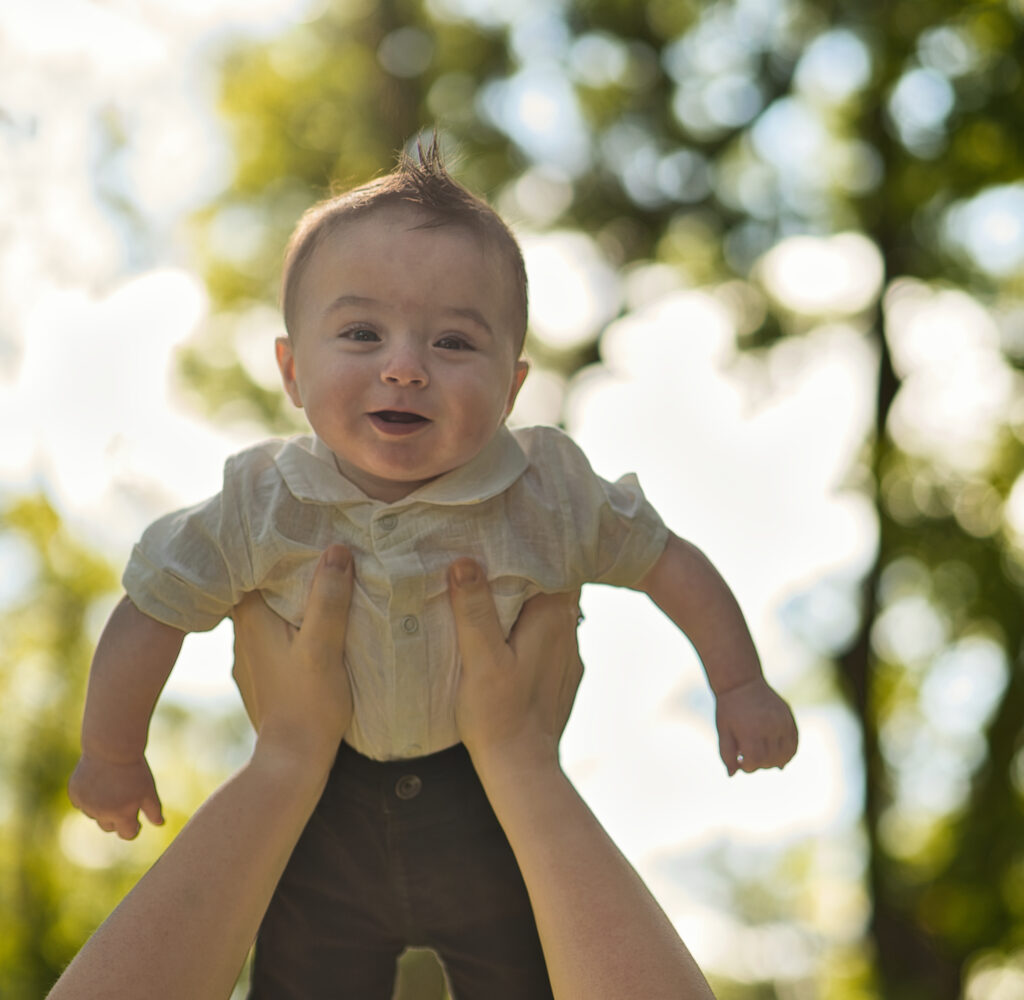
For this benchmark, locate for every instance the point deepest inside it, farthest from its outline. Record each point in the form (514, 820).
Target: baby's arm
(133, 660)
(755, 726)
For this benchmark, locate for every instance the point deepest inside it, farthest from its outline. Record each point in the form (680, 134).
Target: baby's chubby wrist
(111, 754)
(739, 686)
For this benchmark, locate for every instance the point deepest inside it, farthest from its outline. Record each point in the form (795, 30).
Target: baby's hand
(112, 793)
(755, 728)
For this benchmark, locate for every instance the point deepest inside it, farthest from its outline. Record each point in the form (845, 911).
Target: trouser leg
(331, 930)
(465, 895)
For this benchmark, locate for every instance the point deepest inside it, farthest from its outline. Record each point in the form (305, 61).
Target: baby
(405, 309)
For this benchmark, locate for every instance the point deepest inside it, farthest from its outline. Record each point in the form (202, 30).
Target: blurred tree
(59, 874)
(702, 136)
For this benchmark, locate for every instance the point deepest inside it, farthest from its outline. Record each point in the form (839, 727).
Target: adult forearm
(133, 660)
(185, 929)
(603, 933)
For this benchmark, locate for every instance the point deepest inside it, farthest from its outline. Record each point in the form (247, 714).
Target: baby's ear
(286, 363)
(521, 370)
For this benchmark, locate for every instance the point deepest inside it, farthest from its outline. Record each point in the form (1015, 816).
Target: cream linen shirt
(528, 507)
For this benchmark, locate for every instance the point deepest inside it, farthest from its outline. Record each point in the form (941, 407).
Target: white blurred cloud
(760, 489)
(838, 275)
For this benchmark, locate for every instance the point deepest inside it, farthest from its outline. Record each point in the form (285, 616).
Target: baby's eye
(360, 334)
(452, 342)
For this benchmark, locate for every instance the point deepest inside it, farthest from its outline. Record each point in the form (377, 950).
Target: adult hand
(514, 697)
(185, 929)
(293, 681)
(603, 933)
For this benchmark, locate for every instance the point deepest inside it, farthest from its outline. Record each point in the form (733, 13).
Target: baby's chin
(386, 485)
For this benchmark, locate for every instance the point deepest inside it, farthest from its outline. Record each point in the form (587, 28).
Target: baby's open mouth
(399, 417)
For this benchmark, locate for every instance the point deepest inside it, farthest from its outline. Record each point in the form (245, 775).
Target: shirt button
(408, 786)
(410, 624)
(388, 522)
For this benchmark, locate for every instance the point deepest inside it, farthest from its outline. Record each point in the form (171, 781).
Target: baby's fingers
(152, 810)
(128, 829)
(126, 825)
(767, 752)
(729, 749)
(786, 749)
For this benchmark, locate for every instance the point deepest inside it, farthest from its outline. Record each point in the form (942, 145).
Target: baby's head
(405, 305)
(423, 186)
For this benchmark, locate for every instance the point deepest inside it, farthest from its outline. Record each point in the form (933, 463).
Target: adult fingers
(477, 627)
(245, 616)
(326, 614)
(544, 642)
(548, 619)
(546, 623)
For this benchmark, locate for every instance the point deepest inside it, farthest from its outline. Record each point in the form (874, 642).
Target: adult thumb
(326, 614)
(476, 618)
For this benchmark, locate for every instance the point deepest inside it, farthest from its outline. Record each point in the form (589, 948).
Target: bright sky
(749, 468)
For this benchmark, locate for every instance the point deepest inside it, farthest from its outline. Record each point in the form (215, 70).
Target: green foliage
(59, 874)
(670, 178)
(43, 662)
(673, 178)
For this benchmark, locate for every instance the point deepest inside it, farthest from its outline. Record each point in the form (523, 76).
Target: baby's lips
(399, 416)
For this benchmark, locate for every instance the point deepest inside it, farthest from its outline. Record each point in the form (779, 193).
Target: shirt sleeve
(190, 568)
(613, 534)
(630, 536)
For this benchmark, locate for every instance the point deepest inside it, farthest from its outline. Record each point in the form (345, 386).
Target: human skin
(420, 320)
(184, 931)
(391, 319)
(604, 935)
(405, 354)
(112, 781)
(406, 359)
(756, 728)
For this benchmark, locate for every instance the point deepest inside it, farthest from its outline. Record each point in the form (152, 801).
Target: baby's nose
(404, 368)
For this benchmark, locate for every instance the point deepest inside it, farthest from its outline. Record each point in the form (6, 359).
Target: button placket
(410, 684)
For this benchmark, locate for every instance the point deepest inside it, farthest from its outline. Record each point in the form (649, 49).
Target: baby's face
(405, 354)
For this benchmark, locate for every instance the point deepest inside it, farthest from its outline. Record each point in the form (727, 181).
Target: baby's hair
(423, 183)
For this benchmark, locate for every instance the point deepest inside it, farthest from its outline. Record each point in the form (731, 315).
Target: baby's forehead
(352, 234)
(363, 234)
(393, 218)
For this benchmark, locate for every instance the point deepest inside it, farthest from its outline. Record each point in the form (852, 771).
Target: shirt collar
(308, 468)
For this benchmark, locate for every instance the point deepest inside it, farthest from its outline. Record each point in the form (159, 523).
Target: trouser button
(408, 786)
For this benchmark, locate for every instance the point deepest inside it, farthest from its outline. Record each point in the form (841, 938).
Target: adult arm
(112, 781)
(603, 934)
(755, 726)
(185, 929)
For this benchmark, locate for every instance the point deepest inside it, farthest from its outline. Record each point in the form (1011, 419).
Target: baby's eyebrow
(350, 300)
(474, 315)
